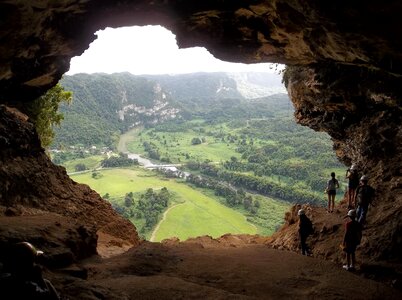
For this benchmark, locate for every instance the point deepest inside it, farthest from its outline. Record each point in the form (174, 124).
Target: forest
(247, 152)
(255, 146)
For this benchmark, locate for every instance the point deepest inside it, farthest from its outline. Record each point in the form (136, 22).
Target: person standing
(364, 196)
(332, 185)
(351, 240)
(305, 229)
(353, 178)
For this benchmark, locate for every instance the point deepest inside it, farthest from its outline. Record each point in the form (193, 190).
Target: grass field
(199, 214)
(178, 147)
(91, 163)
(270, 214)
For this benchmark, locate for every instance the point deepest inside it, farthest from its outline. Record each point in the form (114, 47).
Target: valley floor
(200, 269)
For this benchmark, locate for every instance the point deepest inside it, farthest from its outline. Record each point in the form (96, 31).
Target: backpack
(311, 228)
(358, 232)
(365, 195)
(305, 226)
(354, 179)
(354, 234)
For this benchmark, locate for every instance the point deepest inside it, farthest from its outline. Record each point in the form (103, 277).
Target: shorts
(332, 192)
(350, 249)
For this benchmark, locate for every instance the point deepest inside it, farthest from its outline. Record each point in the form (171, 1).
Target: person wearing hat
(305, 229)
(24, 277)
(351, 240)
(353, 178)
(363, 198)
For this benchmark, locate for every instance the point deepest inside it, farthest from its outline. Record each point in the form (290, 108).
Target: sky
(150, 50)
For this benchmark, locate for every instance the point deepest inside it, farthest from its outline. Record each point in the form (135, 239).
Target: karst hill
(344, 77)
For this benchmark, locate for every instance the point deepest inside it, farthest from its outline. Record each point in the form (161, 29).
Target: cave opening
(344, 80)
(127, 63)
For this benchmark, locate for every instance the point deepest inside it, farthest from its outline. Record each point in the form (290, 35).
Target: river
(145, 162)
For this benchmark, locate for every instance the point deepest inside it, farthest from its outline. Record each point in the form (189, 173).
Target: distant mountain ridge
(106, 105)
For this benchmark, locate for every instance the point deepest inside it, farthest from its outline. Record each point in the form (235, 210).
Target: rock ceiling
(344, 58)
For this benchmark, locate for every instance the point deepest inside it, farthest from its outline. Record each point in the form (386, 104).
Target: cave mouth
(347, 82)
(163, 40)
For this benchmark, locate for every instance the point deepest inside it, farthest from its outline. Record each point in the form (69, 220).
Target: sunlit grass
(90, 162)
(199, 214)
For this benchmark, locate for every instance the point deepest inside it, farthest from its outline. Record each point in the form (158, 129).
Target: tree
(43, 112)
(121, 161)
(247, 202)
(80, 167)
(129, 199)
(196, 141)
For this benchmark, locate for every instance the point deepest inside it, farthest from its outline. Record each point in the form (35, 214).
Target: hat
(351, 214)
(23, 256)
(353, 167)
(364, 178)
(301, 212)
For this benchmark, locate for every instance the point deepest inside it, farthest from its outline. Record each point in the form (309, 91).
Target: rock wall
(345, 79)
(40, 37)
(30, 184)
(360, 110)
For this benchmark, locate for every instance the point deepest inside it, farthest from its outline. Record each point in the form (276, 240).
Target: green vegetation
(78, 156)
(202, 216)
(149, 206)
(43, 112)
(199, 212)
(106, 106)
(269, 155)
(90, 163)
(119, 161)
(240, 153)
(177, 147)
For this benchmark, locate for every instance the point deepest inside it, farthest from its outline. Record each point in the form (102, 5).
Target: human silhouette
(332, 185)
(305, 229)
(364, 196)
(353, 182)
(23, 277)
(351, 240)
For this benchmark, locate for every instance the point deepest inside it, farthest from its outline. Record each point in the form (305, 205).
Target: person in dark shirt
(364, 196)
(305, 229)
(351, 240)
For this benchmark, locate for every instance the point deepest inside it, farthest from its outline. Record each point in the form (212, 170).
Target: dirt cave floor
(235, 267)
(194, 271)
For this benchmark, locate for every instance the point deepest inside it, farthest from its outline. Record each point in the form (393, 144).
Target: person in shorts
(353, 182)
(332, 185)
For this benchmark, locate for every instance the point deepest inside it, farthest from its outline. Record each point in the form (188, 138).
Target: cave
(344, 70)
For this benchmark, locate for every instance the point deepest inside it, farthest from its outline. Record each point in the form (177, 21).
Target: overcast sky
(150, 50)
